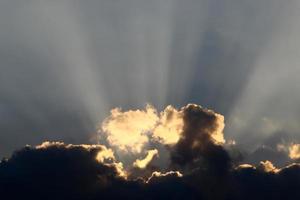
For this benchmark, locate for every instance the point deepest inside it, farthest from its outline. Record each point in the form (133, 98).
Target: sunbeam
(268, 103)
(140, 99)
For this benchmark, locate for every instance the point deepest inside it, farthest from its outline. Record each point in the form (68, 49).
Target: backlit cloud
(131, 131)
(127, 131)
(267, 166)
(144, 162)
(170, 126)
(199, 165)
(294, 151)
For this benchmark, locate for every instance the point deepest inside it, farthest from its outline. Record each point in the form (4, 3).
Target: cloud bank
(200, 165)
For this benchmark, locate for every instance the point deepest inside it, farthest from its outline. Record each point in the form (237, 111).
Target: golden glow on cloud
(134, 133)
(156, 173)
(218, 134)
(105, 154)
(170, 126)
(130, 131)
(268, 166)
(245, 166)
(160, 174)
(141, 134)
(127, 131)
(48, 144)
(294, 151)
(142, 164)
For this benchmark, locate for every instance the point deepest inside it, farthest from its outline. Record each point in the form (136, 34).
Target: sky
(65, 64)
(148, 95)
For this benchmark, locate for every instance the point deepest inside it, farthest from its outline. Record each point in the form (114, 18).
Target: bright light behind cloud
(294, 151)
(268, 166)
(142, 163)
(218, 134)
(169, 126)
(131, 131)
(128, 130)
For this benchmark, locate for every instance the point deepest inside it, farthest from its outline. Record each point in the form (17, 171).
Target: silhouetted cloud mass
(64, 172)
(200, 167)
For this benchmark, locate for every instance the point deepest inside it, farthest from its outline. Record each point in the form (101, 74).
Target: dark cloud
(197, 144)
(57, 172)
(61, 171)
(250, 183)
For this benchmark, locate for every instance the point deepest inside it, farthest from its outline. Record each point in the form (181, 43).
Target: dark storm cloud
(71, 172)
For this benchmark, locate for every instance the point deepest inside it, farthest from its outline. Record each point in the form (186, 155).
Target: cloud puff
(267, 166)
(127, 131)
(201, 138)
(170, 126)
(294, 151)
(189, 135)
(130, 131)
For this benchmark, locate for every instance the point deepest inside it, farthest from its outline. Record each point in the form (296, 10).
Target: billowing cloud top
(130, 131)
(127, 130)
